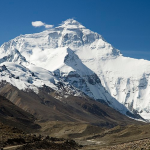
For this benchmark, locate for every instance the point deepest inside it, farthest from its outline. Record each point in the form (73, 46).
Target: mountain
(74, 58)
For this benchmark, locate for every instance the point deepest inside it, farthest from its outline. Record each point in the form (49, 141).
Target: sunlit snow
(72, 54)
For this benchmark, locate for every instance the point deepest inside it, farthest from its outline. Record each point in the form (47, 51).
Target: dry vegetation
(90, 136)
(96, 137)
(10, 136)
(135, 145)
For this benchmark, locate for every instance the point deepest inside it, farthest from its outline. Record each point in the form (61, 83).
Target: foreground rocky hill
(14, 116)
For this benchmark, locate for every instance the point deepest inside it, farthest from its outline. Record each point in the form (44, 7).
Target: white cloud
(37, 23)
(40, 23)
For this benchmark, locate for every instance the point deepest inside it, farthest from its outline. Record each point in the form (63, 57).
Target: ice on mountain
(80, 58)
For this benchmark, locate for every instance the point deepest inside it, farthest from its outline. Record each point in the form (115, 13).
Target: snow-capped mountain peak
(72, 24)
(80, 58)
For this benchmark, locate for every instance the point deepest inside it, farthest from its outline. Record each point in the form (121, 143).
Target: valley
(90, 124)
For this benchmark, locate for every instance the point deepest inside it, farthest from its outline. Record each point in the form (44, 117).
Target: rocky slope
(50, 105)
(15, 117)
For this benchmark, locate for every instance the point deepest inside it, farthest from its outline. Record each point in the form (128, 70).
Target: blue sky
(123, 23)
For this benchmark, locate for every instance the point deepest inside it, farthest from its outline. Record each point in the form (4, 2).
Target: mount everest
(80, 60)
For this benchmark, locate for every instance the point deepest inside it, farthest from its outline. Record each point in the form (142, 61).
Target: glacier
(78, 57)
